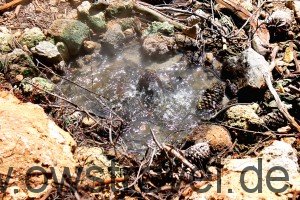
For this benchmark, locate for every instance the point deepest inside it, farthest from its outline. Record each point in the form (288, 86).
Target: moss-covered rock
(32, 37)
(71, 32)
(6, 40)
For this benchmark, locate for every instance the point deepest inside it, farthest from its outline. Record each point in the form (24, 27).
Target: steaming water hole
(145, 92)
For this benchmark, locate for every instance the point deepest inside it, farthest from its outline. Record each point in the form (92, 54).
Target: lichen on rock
(32, 37)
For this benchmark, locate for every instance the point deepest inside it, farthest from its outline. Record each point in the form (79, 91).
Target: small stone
(32, 37)
(288, 55)
(19, 77)
(129, 33)
(209, 57)
(55, 79)
(47, 51)
(90, 46)
(87, 121)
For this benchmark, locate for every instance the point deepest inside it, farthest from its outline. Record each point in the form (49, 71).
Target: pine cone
(274, 120)
(212, 98)
(198, 154)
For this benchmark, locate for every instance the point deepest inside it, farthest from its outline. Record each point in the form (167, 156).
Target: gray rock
(32, 37)
(71, 32)
(47, 51)
(114, 36)
(246, 70)
(6, 39)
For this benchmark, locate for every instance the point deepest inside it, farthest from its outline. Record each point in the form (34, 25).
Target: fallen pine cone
(198, 154)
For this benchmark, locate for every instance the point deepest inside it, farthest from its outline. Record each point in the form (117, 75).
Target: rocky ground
(249, 118)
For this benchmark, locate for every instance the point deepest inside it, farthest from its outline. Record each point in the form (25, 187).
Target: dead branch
(11, 4)
(146, 10)
(282, 108)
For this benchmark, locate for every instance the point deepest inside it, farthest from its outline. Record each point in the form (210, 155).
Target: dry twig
(11, 4)
(282, 108)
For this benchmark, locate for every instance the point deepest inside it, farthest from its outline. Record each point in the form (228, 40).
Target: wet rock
(63, 50)
(18, 62)
(71, 32)
(36, 83)
(94, 18)
(156, 45)
(90, 46)
(114, 36)
(244, 116)
(159, 27)
(146, 79)
(120, 8)
(29, 138)
(282, 155)
(47, 51)
(32, 37)
(216, 136)
(246, 72)
(6, 39)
